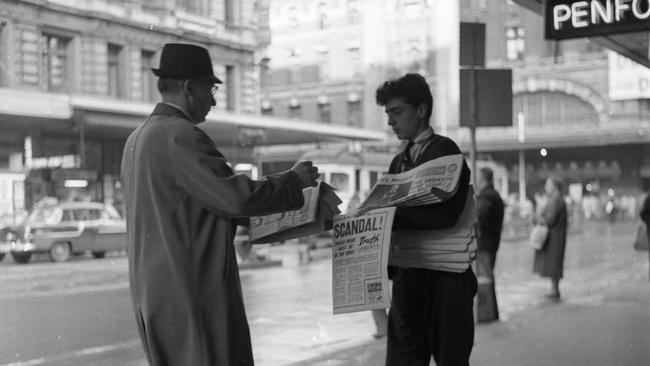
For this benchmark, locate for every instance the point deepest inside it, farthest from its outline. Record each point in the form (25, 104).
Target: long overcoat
(549, 261)
(489, 212)
(182, 203)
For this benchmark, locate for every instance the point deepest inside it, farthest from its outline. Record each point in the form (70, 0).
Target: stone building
(75, 80)
(578, 117)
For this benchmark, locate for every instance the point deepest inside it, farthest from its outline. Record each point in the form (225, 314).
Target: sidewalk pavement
(609, 329)
(603, 318)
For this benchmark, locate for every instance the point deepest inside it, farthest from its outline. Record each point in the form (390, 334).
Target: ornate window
(55, 62)
(324, 109)
(515, 43)
(148, 81)
(115, 71)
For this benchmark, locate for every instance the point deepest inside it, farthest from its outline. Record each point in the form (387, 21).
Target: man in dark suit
(431, 311)
(489, 212)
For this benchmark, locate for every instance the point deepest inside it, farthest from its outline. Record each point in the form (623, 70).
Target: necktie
(408, 163)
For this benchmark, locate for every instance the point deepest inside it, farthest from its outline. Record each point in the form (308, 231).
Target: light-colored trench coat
(182, 201)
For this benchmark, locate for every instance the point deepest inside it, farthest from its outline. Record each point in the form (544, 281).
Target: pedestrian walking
(183, 203)
(549, 260)
(489, 213)
(431, 311)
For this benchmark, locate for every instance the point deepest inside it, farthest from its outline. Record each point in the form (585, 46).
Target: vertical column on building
(374, 59)
(446, 44)
(521, 125)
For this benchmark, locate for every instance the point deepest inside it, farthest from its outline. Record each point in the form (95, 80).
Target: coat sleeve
(201, 171)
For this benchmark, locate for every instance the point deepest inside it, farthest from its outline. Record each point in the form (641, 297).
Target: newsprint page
(360, 259)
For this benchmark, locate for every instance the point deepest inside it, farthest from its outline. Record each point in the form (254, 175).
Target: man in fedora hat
(183, 203)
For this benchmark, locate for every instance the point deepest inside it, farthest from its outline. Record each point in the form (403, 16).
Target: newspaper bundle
(362, 250)
(428, 183)
(315, 216)
(359, 261)
(451, 250)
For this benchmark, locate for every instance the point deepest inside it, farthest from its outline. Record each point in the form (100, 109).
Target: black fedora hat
(185, 61)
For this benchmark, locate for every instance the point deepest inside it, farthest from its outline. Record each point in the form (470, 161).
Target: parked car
(63, 229)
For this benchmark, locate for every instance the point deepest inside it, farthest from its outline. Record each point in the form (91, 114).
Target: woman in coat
(549, 260)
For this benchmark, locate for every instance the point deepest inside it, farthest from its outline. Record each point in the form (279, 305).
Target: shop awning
(106, 117)
(225, 128)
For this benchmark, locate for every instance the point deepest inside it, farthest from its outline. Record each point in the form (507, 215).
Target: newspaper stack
(315, 216)
(428, 183)
(451, 250)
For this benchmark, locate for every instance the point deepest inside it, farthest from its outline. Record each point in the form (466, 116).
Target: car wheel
(60, 252)
(99, 254)
(21, 257)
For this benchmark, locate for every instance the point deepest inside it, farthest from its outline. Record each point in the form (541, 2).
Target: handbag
(538, 236)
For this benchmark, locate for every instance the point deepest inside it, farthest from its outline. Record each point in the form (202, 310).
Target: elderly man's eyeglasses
(213, 90)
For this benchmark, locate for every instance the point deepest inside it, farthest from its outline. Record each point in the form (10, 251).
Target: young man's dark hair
(431, 311)
(412, 88)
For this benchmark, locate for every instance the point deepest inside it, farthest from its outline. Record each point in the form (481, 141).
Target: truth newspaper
(315, 216)
(428, 183)
(360, 260)
(362, 240)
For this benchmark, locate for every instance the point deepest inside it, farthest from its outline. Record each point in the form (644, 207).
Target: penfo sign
(564, 19)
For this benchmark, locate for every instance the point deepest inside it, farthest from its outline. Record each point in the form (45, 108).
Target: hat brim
(165, 74)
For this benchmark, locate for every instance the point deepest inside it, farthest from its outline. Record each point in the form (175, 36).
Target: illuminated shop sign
(565, 19)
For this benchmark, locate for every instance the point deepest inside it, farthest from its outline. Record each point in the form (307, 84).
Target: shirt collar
(419, 139)
(423, 136)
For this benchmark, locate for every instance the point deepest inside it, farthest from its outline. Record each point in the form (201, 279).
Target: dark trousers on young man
(431, 314)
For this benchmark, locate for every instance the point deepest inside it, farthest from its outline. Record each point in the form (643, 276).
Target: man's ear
(422, 110)
(187, 87)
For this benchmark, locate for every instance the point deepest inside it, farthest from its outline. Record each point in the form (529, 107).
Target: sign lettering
(564, 19)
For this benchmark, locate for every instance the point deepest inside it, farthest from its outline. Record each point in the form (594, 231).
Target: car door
(111, 233)
(88, 223)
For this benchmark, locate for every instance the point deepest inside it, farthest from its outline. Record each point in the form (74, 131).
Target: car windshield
(49, 215)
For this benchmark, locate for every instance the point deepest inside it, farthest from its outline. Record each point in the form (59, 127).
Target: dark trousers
(485, 261)
(431, 314)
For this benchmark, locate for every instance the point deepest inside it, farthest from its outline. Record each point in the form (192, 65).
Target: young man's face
(406, 121)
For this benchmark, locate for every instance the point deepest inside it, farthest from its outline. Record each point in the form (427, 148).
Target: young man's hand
(307, 173)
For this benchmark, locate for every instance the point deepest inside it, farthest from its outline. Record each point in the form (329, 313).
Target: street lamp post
(521, 131)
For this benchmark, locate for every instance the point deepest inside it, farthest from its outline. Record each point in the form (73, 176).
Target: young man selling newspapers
(431, 312)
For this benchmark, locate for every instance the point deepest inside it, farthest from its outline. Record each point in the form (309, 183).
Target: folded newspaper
(451, 249)
(359, 261)
(428, 183)
(315, 216)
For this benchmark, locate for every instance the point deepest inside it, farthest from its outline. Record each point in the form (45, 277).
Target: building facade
(75, 80)
(580, 111)
(583, 109)
(75, 77)
(327, 58)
